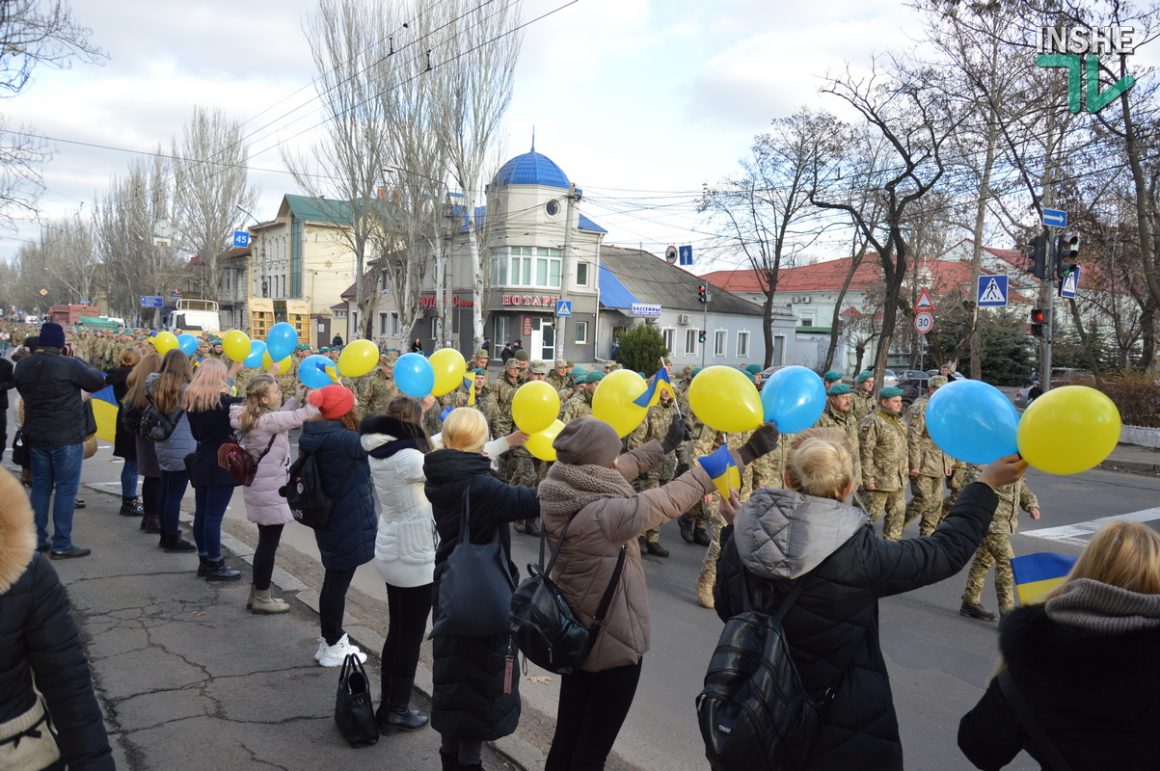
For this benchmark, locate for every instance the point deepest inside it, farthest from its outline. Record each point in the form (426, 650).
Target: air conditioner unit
(683, 319)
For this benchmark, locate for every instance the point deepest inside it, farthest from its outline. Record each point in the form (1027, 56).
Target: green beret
(522, 355)
(302, 347)
(594, 377)
(577, 374)
(324, 349)
(832, 376)
(478, 372)
(889, 392)
(643, 375)
(867, 375)
(696, 371)
(753, 369)
(837, 389)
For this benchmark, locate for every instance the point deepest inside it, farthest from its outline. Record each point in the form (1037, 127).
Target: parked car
(1065, 375)
(954, 375)
(889, 378)
(765, 373)
(913, 384)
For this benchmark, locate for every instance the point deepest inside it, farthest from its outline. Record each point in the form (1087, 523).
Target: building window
(691, 342)
(552, 207)
(743, 345)
(581, 274)
(395, 324)
(805, 321)
(382, 324)
(435, 328)
(384, 281)
(670, 337)
(533, 267)
(778, 350)
(720, 342)
(581, 337)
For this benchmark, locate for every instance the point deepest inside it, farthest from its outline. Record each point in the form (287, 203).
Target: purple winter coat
(264, 506)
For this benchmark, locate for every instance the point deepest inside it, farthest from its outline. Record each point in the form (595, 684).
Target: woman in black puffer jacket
(38, 639)
(807, 533)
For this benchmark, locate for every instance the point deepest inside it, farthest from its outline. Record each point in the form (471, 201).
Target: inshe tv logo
(1079, 49)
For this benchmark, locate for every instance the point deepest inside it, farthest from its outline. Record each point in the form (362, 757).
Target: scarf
(567, 489)
(1103, 608)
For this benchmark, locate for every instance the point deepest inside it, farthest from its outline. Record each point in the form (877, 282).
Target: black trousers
(407, 611)
(332, 603)
(593, 706)
(268, 538)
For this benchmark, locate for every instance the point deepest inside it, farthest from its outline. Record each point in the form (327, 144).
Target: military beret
(594, 376)
(482, 353)
(753, 369)
(837, 389)
(867, 375)
(936, 381)
(539, 368)
(696, 371)
(577, 374)
(832, 376)
(889, 392)
(478, 371)
(324, 349)
(302, 347)
(521, 355)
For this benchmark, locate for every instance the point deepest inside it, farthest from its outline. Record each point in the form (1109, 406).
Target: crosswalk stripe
(1079, 533)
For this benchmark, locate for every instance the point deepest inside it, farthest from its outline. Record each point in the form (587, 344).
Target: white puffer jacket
(405, 544)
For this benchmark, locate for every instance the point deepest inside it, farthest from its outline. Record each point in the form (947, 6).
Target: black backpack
(308, 500)
(157, 425)
(753, 711)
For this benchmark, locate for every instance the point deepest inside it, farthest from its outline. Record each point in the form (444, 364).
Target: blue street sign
(152, 301)
(563, 307)
(1055, 218)
(685, 254)
(241, 238)
(1069, 284)
(992, 291)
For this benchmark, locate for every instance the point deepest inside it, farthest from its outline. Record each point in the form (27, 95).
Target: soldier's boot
(654, 547)
(532, 526)
(977, 611)
(705, 591)
(686, 526)
(701, 536)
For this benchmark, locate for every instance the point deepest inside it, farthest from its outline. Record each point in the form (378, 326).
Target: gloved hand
(678, 432)
(763, 441)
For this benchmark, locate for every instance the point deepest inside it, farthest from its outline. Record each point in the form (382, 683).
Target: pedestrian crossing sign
(1070, 283)
(992, 291)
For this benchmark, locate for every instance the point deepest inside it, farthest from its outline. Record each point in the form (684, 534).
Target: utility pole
(705, 324)
(572, 198)
(1046, 284)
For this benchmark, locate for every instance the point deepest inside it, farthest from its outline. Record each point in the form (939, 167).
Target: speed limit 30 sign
(923, 322)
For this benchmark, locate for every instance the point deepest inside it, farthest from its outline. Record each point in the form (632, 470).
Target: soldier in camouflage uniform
(655, 426)
(995, 549)
(929, 466)
(863, 402)
(523, 361)
(558, 377)
(580, 405)
(516, 466)
(831, 378)
(378, 388)
(961, 476)
(839, 413)
(706, 442)
(480, 360)
(694, 523)
(484, 399)
(882, 440)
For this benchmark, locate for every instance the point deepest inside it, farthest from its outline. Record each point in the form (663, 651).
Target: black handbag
(544, 625)
(475, 586)
(354, 710)
(19, 449)
(90, 418)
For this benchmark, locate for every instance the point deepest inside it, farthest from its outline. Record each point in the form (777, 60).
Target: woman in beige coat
(591, 484)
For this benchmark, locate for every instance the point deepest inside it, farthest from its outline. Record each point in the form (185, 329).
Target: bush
(1136, 395)
(641, 349)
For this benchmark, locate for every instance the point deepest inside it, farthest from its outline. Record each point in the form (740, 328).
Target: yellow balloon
(534, 407)
(358, 358)
(283, 366)
(724, 399)
(540, 443)
(1068, 430)
(613, 399)
(236, 345)
(450, 367)
(164, 342)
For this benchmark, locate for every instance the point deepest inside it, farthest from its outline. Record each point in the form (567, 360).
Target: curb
(1131, 467)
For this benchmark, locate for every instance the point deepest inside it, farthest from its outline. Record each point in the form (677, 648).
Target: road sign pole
(1049, 316)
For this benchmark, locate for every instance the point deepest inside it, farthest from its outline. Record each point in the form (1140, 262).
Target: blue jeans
(173, 484)
(209, 509)
(58, 467)
(129, 479)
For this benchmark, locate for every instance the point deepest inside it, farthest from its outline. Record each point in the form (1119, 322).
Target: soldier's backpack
(753, 711)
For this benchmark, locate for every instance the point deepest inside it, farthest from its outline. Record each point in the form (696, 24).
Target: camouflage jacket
(579, 406)
(655, 426)
(862, 405)
(553, 379)
(503, 391)
(922, 452)
(1012, 498)
(375, 391)
(845, 421)
(883, 447)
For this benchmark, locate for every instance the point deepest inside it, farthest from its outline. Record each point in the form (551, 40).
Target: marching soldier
(929, 466)
(484, 398)
(378, 388)
(523, 362)
(839, 413)
(558, 377)
(516, 466)
(580, 405)
(962, 474)
(480, 360)
(995, 549)
(863, 402)
(706, 442)
(572, 382)
(832, 377)
(884, 458)
(655, 426)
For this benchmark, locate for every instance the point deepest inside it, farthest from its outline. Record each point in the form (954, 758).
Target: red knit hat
(333, 401)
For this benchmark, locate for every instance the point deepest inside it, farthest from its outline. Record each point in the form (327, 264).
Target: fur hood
(17, 531)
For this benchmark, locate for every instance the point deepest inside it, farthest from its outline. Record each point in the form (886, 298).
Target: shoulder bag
(236, 460)
(474, 596)
(544, 625)
(354, 709)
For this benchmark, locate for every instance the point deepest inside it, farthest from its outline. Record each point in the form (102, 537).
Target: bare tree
(209, 168)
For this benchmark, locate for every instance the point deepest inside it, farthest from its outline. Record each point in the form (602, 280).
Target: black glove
(678, 432)
(763, 441)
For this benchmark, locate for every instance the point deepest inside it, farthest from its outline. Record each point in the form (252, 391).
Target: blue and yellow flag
(469, 384)
(1038, 574)
(722, 469)
(660, 381)
(105, 411)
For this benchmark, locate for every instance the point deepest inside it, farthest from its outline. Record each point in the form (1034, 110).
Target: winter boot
(705, 592)
(217, 571)
(395, 712)
(152, 524)
(449, 761)
(655, 548)
(701, 536)
(686, 526)
(262, 603)
(175, 543)
(975, 610)
(203, 566)
(131, 507)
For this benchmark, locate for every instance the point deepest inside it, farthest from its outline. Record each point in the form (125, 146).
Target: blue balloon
(187, 343)
(312, 371)
(281, 340)
(973, 422)
(254, 360)
(414, 375)
(793, 399)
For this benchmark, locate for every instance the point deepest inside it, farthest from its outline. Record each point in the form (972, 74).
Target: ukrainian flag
(469, 384)
(652, 394)
(1036, 575)
(105, 411)
(722, 469)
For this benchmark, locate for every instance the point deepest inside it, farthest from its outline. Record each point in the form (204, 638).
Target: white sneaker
(334, 655)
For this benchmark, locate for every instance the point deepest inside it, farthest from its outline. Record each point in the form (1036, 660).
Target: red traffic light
(702, 293)
(1038, 316)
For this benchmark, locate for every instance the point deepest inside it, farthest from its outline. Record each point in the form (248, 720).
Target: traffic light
(1038, 320)
(702, 294)
(701, 336)
(1038, 256)
(1067, 251)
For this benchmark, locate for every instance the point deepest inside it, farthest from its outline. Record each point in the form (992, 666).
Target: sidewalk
(1132, 459)
(189, 679)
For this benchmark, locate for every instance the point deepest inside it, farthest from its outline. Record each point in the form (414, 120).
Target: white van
(195, 316)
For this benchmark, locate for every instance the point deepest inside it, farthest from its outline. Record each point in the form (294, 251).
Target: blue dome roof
(531, 169)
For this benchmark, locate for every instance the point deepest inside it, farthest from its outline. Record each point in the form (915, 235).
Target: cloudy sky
(638, 101)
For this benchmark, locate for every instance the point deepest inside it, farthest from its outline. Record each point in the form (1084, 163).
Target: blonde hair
(150, 363)
(206, 389)
(130, 357)
(820, 463)
(175, 375)
(465, 429)
(1123, 554)
(256, 390)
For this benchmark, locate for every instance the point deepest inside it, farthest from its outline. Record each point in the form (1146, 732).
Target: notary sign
(646, 311)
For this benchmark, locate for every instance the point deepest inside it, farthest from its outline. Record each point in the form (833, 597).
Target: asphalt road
(939, 662)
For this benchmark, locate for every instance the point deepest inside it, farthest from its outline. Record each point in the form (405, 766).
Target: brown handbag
(237, 461)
